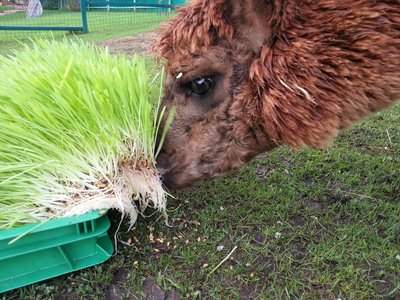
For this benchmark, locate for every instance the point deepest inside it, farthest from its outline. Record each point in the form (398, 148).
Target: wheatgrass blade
(78, 132)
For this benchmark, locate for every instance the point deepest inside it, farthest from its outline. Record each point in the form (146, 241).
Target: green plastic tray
(54, 248)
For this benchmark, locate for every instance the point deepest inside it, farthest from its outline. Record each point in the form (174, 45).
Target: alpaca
(246, 76)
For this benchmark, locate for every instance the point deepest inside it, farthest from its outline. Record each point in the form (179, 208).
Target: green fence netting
(29, 18)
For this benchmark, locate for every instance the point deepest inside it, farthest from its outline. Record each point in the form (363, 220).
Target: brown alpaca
(247, 76)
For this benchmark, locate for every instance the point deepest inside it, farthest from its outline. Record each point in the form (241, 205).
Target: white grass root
(131, 194)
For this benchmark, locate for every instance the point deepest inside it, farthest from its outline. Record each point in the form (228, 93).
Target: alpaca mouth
(169, 179)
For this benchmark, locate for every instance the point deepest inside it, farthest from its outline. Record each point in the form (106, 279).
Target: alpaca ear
(257, 20)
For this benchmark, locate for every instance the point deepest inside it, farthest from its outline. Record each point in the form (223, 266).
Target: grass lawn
(102, 26)
(309, 224)
(4, 8)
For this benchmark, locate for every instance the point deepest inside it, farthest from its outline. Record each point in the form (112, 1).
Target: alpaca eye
(201, 86)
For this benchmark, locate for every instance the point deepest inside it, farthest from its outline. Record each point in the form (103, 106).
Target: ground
(130, 45)
(292, 224)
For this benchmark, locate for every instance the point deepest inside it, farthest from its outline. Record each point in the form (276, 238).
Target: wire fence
(30, 18)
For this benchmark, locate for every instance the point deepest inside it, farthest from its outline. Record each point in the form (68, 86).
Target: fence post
(84, 17)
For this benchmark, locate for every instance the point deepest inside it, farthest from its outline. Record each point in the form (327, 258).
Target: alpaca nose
(164, 168)
(168, 167)
(162, 162)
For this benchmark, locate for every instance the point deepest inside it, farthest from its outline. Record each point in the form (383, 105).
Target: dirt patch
(152, 290)
(141, 43)
(115, 291)
(314, 205)
(298, 220)
(259, 239)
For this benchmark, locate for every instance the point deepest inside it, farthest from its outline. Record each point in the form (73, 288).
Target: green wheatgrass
(78, 131)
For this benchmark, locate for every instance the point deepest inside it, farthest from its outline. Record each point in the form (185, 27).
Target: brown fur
(286, 71)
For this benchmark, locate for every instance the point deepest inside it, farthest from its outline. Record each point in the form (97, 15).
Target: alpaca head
(248, 75)
(208, 50)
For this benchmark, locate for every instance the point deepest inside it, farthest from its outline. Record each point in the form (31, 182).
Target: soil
(141, 43)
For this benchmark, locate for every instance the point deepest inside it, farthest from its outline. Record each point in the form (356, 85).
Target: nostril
(171, 167)
(166, 170)
(162, 162)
